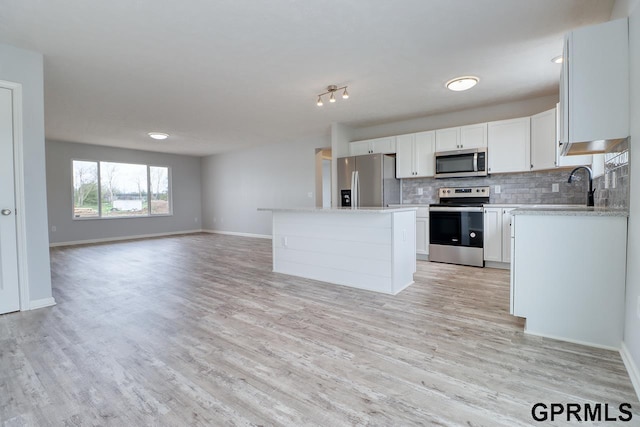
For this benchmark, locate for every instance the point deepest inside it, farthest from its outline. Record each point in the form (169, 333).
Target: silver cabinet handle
(5, 211)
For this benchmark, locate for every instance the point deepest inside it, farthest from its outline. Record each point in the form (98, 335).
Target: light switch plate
(555, 187)
(420, 191)
(497, 189)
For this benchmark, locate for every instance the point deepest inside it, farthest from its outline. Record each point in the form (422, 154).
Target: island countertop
(354, 211)
(570, 211)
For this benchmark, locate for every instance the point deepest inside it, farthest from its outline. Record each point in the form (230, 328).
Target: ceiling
(227, 74)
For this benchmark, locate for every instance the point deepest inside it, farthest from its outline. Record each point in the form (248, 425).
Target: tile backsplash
(612, 188)
(515, 188)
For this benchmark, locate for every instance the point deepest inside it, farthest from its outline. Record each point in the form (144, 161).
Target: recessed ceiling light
(557, 59)
(158, 135)
(462, 83)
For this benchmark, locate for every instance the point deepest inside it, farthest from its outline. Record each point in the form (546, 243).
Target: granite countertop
(342, 210)
(569, 210)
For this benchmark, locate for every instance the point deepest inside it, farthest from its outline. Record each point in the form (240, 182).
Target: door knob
(5, 211)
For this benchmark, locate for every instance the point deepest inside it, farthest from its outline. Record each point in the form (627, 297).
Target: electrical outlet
(497, 189)
(215, 219)
(195, 220)
(420, 191)
(309, 194)
(555, 187)
(53, 228)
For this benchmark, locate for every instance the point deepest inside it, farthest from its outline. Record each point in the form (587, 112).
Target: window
(113, 190)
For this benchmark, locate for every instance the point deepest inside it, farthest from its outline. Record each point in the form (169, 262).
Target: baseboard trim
(235, 233)
(41, 303)
(116, 239)
(554, 337)
(500, 265)
(632, 369)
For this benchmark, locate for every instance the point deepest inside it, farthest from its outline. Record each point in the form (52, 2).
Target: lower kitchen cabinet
(568, 276)
(422, 233)
(497, 234)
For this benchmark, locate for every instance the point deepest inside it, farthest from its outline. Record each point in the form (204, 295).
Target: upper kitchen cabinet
(543, 141)
(385, 145)
(594, 87)
(414, 158)
(471, 136)
(448, 139)
(509, 144)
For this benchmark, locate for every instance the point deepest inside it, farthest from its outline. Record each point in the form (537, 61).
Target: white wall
(632, 320)
(185, 187)
(236, 184)
(25, 67)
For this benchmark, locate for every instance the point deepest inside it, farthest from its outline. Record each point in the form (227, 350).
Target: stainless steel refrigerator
(368, 181)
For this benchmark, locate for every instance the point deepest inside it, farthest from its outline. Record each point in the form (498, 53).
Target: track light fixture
(331, 90)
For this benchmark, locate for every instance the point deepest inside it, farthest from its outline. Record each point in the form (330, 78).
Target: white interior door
(9, 287)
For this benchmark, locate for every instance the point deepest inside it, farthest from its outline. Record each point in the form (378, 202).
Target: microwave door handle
(475, 162)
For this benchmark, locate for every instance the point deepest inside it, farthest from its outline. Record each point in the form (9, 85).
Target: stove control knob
(472, 235)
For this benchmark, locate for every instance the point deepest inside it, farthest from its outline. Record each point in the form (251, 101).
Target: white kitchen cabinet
(509, 143)
(568, 161)
(497, 234)
(422, 233)
(414, 155)
(506, 234)
(448, 139)
(594, 85)
(544, 146)
(493, 234)
(463, 137)
(568, 276)
(473, 136)
(385, 145)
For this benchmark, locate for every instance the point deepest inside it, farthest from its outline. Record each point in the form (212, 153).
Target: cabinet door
(509, 145)
(506, 234)
(359, 148)
(597, 82)
(493, 234)
(447, 139)
(404, 156)
(422, 236)
(383, 145)
(424, 148)
(544, 146)
(473, 136)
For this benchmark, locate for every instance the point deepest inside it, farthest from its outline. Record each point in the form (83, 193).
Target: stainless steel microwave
(461, 163)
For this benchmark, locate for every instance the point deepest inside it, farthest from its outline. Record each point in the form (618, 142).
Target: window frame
(99, 182)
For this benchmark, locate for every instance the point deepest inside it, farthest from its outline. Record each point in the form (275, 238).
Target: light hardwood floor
(197, 330)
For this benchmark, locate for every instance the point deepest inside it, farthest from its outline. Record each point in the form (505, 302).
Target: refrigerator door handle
(355, 196)
(357, 181)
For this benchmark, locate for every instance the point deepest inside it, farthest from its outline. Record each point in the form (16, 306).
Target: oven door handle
(455, 209)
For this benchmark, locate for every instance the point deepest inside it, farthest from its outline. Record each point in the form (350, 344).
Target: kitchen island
(365, 248)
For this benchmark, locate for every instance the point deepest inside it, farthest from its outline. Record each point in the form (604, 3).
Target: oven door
(456, 227)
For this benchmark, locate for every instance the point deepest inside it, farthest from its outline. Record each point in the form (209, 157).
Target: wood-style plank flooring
(197, 330)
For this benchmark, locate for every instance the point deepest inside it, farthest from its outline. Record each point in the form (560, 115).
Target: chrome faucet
(591, 190)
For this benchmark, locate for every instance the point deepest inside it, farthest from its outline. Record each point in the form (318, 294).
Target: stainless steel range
(456, 226)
